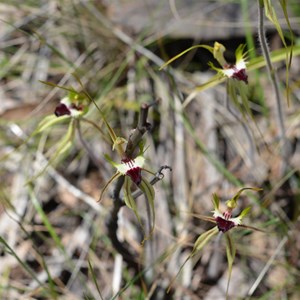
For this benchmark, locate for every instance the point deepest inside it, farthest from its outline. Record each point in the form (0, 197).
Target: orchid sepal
(232, 203)
(113, 178)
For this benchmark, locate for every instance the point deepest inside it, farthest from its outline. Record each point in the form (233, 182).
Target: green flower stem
(235, 114)
(285, 148)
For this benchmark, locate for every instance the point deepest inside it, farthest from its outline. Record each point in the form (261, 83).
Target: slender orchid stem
(285, 148)
(235, 114)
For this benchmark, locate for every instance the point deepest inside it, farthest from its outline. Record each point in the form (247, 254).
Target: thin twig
(158, 177)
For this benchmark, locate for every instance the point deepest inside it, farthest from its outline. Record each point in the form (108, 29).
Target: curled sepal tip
(232, 203)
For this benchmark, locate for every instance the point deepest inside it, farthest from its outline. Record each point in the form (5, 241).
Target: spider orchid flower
(236, 71)
(128, 167)
(67, 107)
(132, 169)
(224, 222)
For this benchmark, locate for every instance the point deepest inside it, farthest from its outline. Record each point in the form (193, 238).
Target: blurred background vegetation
(53, 233)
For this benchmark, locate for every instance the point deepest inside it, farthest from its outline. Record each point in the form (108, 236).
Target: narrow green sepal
(203, 239)
(113, 178)
(245, 212)
(211, 49)
(215, 201)
(63, 146)
(130, 202)
(49, 121)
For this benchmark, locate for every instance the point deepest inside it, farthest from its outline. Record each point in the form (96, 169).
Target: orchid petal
(139, 161)
(252, 228)
(219, 70)
(203, 239)
(63, 146)
(240, 55)
(130, 202)
(122, 168)
(236, 221)
(202, 217)
(49, 121)
(244, 212)
(216, 201)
